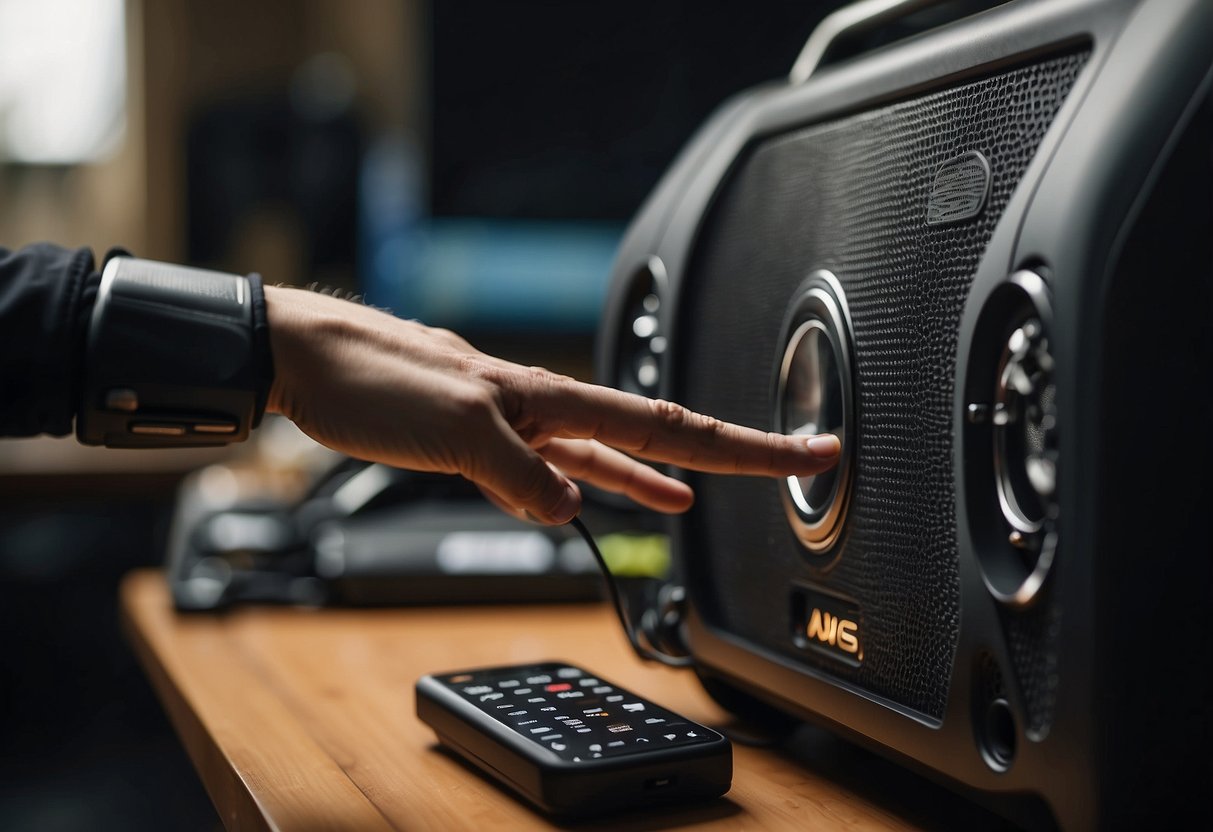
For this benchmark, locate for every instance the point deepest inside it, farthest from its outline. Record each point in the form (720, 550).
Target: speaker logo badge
(961, 189)
(842, 633)
(826, 624)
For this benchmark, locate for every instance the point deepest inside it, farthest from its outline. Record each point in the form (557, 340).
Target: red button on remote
(557, 686)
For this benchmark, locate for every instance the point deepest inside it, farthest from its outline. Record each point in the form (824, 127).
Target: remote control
(571, 742)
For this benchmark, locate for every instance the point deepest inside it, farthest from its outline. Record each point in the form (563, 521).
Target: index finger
(663, 431)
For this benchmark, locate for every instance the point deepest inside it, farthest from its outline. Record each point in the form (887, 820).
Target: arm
(388, 390)
(394, 391)
(44, 298)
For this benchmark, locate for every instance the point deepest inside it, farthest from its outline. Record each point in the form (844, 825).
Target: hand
(393, 391)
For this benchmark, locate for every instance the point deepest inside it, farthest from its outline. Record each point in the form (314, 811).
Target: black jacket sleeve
(46, 295)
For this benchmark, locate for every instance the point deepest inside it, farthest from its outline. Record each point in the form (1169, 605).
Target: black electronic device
(982, 256)
(175, 357)
(372, 535)
(572, 743)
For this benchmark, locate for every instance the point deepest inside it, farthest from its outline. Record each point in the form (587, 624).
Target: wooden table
(304, 720)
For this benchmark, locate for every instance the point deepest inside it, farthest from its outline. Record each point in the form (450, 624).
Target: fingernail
(824, 446)
(568, 506)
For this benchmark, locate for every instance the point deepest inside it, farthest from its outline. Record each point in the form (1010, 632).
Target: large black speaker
(983, 256)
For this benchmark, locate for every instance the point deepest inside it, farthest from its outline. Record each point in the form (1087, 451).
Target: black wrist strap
(174, 356)
(263, 356)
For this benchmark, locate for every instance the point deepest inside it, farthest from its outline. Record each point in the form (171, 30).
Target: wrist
(282, 321)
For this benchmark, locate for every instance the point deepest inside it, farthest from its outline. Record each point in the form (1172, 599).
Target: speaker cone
(813, 395)
(1011, 443)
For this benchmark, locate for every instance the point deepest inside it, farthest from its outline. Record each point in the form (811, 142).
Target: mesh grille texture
(851, 196)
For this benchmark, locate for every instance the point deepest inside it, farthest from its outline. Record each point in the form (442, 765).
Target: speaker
(982, 255)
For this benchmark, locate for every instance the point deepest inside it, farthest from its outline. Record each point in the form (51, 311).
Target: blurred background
(471, 164)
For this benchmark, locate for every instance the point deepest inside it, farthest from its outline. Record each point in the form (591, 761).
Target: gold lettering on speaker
(848, 636)
(826, 624)
(842, 633)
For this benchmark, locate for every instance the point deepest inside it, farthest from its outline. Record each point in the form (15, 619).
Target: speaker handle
(849, 20)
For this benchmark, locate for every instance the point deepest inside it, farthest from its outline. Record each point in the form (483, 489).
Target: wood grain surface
(304, 720)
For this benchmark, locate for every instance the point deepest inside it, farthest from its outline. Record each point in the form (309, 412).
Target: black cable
(647, 653)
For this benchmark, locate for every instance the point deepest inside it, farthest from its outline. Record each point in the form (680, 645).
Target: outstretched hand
(388, 390)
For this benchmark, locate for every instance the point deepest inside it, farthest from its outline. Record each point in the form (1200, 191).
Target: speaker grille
(851, 196)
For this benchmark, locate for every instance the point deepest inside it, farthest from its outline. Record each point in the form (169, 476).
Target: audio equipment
(982, 255)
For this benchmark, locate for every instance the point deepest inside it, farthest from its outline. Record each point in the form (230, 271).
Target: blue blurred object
(476, 274)
(486, 275)
(542, 128)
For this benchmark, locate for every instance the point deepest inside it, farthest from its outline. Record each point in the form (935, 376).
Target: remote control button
(538, 680)
(619, 727)
(508, 683)
(535, 699)
(492, 697)
(507, 705)
(653, 721)
(550, 737)
(544, 729)
(461, 678)
(589, 682)
(568, 673)
(583, 730)
(630, 707)
(547, 708)
(521, 691)
(616, 744)
(516, 713)
(571, 694)
(603, 689)
(615, 698)
(556, 687)
(476, 690)
(559, 746)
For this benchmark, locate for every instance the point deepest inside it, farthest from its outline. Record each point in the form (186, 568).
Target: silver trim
(1034, 287)
(658, 321)
(820, 300)
(215, 428)
(122, 398)
(156, 429)
(1012, 511)
(864, 14)
(108, 275)
(807, 511)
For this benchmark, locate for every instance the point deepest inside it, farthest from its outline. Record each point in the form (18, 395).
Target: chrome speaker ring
(814, 393)
(1011, 460)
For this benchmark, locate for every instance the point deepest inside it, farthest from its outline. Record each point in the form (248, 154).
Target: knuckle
(669, 414)
(471, 366)
(542, 375)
